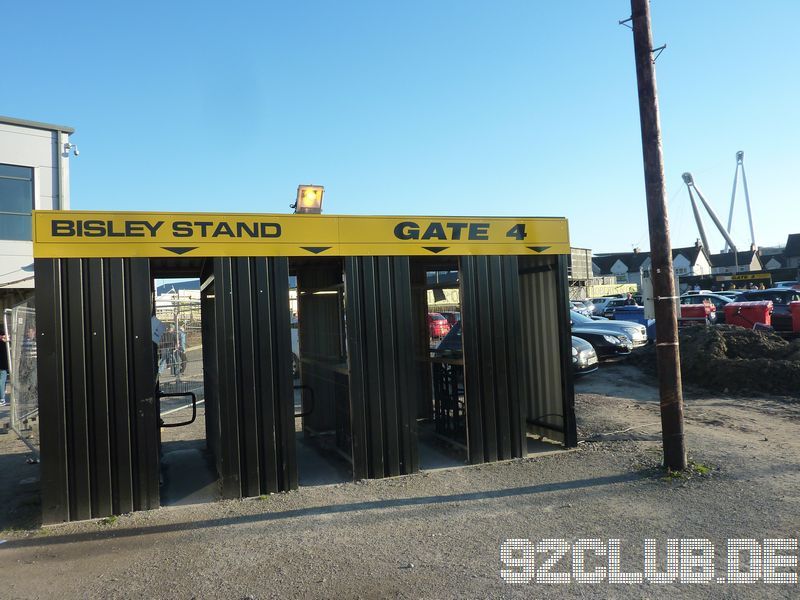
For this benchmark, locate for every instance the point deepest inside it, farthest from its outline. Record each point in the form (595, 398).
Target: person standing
(182, 348)
(167, 349)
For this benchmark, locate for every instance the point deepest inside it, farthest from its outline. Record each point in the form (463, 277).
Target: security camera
(77, 152)
(69, 146)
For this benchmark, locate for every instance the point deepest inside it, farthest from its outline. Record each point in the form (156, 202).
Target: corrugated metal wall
(251, 376)
(550, 406)
(99, 446)
(490, 313)
(99, 425)
(383, 385)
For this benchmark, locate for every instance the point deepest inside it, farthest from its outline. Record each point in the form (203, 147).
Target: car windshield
(579, 318)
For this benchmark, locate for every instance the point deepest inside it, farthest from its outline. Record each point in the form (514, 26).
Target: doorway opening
(187, 472)
(321, 379)
(442, 406)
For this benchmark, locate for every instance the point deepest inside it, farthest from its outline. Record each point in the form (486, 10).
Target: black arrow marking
(177, 250)
(435, 249)
(316, 249)
(539, 248)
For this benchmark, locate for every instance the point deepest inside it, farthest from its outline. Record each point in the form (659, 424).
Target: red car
(438, 327)
(452, 317)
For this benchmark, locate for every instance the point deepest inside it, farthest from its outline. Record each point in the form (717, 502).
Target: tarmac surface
(438, 534)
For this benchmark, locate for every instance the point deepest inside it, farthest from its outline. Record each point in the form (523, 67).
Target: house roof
(778, 258)
(632, 260)
(690, 252)
(731, 259)
(792, 245)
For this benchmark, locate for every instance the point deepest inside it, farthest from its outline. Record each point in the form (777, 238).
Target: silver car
(636, 332)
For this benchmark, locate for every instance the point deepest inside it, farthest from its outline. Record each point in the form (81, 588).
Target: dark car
(606, 343)
(780, 297)
(584, 356)
(717, 300)
(608, 310)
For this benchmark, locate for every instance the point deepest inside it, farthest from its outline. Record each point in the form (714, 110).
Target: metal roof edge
(35, 124)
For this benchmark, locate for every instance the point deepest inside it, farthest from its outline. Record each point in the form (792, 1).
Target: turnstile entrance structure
(359, 281)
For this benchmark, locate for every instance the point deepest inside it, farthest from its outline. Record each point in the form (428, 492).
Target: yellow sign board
(79, 234)
(745, 277)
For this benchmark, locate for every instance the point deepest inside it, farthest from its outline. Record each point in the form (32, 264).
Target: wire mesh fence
(20, 324)
(180, 349)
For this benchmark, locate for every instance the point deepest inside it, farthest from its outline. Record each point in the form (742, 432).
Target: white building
(34, 174)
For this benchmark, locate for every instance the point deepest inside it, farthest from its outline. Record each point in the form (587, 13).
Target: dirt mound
(734, 360)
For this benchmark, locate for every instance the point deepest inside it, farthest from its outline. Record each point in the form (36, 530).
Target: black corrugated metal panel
(565, 345)
(422, 365)
(383, 385)
(253, 376)
(99, 430)
(490, 316)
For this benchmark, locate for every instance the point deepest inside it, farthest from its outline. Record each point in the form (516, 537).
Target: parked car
(589, 306)
(608, 311)
(606, 344)
(438, 327)
(732, 294)
(584, 356)
(635, 332)
(600, 305)
(780, 297)
(580, 307)
(716, 300)
(452, 317)
(788, 284)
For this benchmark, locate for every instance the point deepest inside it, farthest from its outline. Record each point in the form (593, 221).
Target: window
(16, 202)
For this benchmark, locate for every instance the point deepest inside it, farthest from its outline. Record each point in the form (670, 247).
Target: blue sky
(439, 107)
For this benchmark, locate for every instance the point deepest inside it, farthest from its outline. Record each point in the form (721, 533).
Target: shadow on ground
(20, 502)
(333, 509)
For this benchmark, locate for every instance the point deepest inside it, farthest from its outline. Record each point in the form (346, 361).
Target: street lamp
(309, 199)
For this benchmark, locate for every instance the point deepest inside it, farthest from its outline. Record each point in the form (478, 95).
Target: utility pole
(667, 350)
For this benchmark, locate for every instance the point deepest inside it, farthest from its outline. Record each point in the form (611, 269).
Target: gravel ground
(437, 534)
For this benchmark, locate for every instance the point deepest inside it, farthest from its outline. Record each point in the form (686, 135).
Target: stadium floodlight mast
(309, 199)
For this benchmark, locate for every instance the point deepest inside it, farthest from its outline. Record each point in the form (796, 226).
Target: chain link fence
(20, 325)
